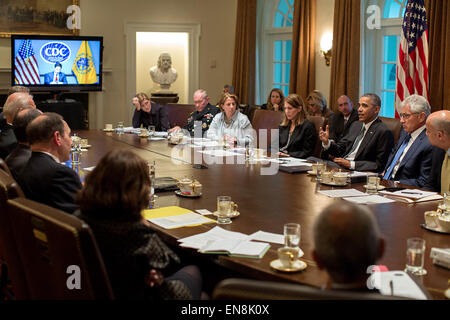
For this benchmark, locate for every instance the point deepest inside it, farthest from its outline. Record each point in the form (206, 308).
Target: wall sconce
(325, 47)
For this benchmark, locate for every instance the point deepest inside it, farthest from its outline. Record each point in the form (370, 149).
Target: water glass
(151, 131)
(119, 128)
(224, 206)
(415, 254)
(447, 203)
(320, 169)
(291, 233)
(75, 156)
(372, 183)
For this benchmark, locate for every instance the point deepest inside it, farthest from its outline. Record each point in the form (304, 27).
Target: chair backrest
(9, 189)
(60, 252)
(265, 119)
(246, 289)
(4, 167)
(318, 122)
(178, 113)
(394, 125)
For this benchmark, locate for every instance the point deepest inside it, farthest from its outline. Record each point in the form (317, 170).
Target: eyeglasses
(406, 115)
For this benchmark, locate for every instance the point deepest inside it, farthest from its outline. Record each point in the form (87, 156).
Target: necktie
(357, 140)
(397, 156)
(56, 79)
(445, 175)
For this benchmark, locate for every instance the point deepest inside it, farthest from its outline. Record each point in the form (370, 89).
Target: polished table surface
(267, 202)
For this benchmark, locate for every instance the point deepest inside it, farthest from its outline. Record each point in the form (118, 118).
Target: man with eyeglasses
(202, 116)
(438, 132)
(368, 143)
(410, 160)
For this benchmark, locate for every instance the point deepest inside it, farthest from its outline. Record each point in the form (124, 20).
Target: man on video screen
(55, 77)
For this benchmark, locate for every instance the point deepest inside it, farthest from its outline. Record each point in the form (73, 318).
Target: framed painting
(35, 17)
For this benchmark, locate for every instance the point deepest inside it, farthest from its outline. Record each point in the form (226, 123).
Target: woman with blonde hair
(297, 135)
(317, 105)
(275, 101)
(231, 126)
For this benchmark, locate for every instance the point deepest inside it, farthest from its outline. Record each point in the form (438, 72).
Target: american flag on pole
(412, 63)
(27, 71)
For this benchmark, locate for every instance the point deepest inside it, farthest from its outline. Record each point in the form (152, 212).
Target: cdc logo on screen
(55, 52)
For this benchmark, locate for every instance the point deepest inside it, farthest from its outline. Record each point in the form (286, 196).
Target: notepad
(174, 217)
(237, 248)
(412, 195)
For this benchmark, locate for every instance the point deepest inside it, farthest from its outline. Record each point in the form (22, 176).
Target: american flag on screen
(412, 63)
(27, 71)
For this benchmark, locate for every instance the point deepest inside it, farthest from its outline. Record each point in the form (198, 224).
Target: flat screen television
(57, 63)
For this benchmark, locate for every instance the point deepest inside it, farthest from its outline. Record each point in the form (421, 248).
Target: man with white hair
(438, 132)
(15, 102)
(410, 160)
(347, 242)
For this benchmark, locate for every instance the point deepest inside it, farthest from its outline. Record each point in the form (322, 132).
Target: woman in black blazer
(298, 135)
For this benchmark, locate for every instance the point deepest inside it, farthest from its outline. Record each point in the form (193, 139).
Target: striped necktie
(397, 156)
(357, 141)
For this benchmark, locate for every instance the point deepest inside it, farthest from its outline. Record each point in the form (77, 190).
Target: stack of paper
(369, 199)
(397, 283)
(221, 241)
(175, 217)
(412, 195)
(341, 193)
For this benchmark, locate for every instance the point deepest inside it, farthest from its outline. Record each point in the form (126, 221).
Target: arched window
(274, 45)
(381, 51)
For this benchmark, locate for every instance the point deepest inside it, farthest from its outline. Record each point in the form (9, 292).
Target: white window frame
(266, 38)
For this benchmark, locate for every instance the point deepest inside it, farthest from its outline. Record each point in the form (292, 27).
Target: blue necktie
(397, 156)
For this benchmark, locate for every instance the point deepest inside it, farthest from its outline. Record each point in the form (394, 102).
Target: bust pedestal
(164, 98)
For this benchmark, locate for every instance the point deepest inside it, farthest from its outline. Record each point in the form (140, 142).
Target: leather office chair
(246, 289)
(4, 167)
(318, 123)
(178, 113)
(394, 125)
(51, 242)
(9, 189)
(265, 119)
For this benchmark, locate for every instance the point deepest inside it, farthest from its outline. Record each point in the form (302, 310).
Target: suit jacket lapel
(367, 138)
(413, 148)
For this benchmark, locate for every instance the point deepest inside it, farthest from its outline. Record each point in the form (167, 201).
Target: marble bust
(163, 73)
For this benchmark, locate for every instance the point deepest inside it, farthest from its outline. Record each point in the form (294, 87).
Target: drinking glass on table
(151, 131)
(291, 233)
(415, 254)
(119, 129)
(372, 183)
(224, 206)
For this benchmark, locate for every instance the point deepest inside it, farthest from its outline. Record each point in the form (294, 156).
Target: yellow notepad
(185, 217)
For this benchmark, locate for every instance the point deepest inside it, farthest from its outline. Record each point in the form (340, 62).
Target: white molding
(130, 30)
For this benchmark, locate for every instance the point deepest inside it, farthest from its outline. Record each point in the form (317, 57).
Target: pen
(391, 284)
(411, 192)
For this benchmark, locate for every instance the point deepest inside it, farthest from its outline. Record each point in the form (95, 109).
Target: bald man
(347, 241)
(341, 121)
(438, 132)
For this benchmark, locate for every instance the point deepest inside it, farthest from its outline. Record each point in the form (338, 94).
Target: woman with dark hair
(231, 126)
(275, 101)
(136, 259)
(147, 113)
(298, 135)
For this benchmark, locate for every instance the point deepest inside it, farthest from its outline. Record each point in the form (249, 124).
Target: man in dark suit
(19, 157)
(368, 143)
(438, 132)
(13, 104)
(45, 179)
(341, 121)
(347, 241)
(55, 77)
(410, 160)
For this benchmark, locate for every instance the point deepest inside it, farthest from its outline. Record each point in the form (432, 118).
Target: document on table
(184, 220)
(341, 193)
(132, 130)
(216, 233)
(157, 138)
(205, 143)
(397, 283)
(267, 237)
(372, 199)
(412, 195)
(218, 153)
(236, 247)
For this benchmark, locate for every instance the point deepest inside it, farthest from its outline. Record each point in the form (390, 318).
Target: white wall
(324, 16)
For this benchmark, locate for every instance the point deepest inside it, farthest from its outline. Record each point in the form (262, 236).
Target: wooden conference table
(267, 202)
